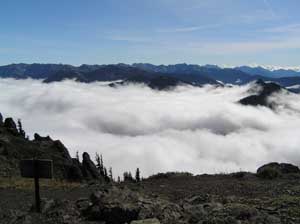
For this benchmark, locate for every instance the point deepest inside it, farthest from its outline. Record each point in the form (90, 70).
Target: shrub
(170, 175)
(239, 175)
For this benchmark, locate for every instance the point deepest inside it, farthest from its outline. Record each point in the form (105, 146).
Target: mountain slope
(14, 146)
(184, 73)
(130, 74)
(35, 71)
(102, 73)
(194, 72)
(277, 73)
(261, 98)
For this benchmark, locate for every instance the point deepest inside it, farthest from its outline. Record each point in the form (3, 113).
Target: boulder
(11, 126)
(273, 170)
(116, 205)
(89, 169)
(113, 206)
(64, 166)
(75, 171)
(83, 204)
(9, 123)
(37, 137)
(60, 148)
(242, 212)
(146, 221)
(59, 211)
(288, 168)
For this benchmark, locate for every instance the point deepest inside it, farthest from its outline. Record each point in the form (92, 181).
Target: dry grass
(26, 183)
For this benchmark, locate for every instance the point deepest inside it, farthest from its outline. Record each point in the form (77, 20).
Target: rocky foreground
(165, 198)
(80, 195)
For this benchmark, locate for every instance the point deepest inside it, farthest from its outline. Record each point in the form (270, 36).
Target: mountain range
(162, 75)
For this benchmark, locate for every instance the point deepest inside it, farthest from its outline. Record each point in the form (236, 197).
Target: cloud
(188, 29)
(128, 38)
(269, 7)
(286, 29)
(200, 130)
(243, 47)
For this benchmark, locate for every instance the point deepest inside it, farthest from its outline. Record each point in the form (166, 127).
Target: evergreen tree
(106, 177)
(101, 162)
(20, 128)
(125, 176)
(105, 172)
(137, 175)
(77, 155)
(110, 174)
(98, 161)
(101, 166)
(130, 178)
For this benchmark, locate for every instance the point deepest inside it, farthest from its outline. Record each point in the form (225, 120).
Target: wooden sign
(36, 168)
(43, 168)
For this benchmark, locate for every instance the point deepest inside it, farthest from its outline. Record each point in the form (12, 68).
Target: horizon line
(252, 65)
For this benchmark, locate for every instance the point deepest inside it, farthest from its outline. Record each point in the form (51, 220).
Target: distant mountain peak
(184, 73)
(211, 66)
(270, 71)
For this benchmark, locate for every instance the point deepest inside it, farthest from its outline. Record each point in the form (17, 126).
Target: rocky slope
(239, 198)
(262, 91)
(14, 146)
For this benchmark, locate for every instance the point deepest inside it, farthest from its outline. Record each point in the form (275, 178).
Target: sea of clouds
(199, 130)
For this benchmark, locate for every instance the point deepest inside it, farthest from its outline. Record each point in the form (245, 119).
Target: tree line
(107, 174)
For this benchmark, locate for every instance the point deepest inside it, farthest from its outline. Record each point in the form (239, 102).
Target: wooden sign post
(33, 168)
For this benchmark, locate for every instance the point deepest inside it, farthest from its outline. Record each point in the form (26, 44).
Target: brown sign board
(36, 168)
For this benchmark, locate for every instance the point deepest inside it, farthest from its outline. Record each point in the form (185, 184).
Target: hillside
(15, 146)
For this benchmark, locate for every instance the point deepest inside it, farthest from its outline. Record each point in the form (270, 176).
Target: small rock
(83, 204)
(47, 205)
(242, 212)
(146, 221)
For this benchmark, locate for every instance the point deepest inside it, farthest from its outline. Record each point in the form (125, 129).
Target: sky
(223, 32)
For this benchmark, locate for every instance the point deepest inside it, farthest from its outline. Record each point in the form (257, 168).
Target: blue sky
(223, 32)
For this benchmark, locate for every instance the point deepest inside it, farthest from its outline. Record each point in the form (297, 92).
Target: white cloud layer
(200, 130)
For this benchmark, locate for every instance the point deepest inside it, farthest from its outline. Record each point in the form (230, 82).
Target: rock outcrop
(75, 172)
(274, 170)
(90, 171)
(264, 92)
(15, 147)
(37, 137)
(11, 126)
(120, 205)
